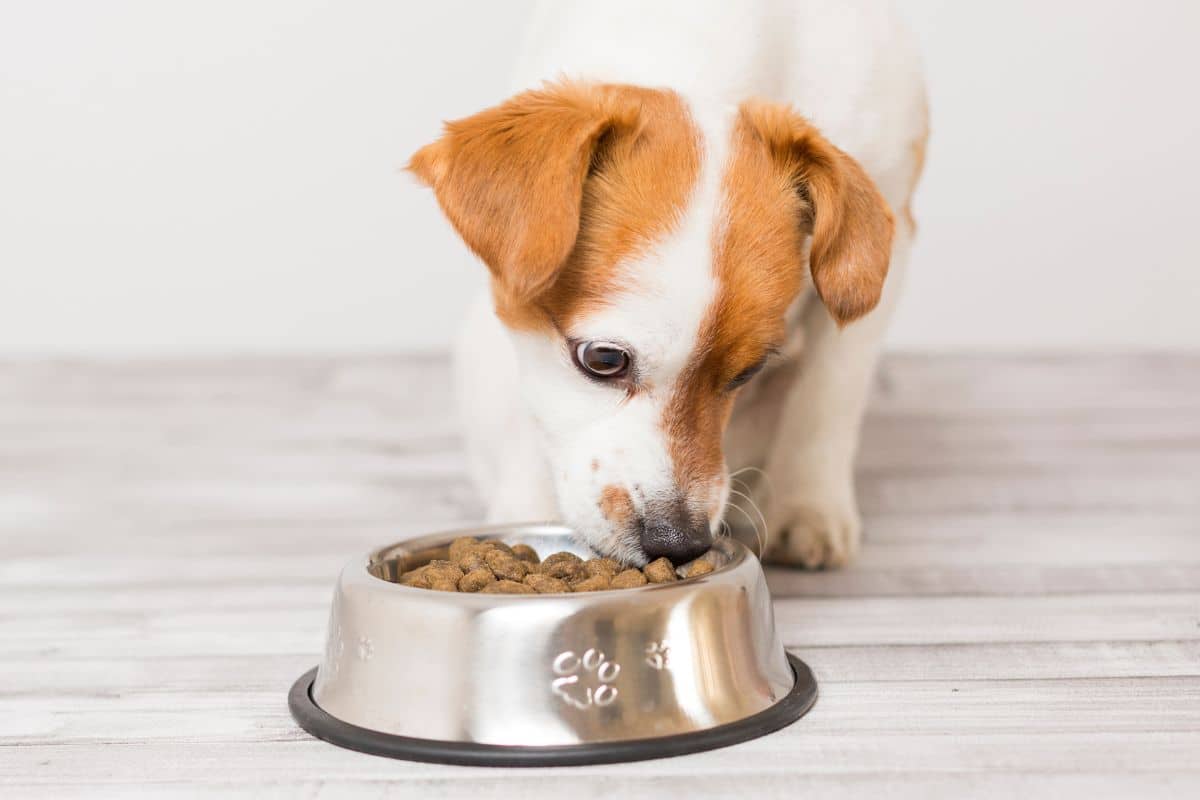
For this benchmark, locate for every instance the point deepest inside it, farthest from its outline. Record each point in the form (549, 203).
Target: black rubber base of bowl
(322, 725)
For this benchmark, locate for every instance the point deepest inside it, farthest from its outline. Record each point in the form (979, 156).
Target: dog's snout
(679, 536)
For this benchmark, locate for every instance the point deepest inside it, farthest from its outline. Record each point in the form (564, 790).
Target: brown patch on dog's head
(617, 506)
(555, 188)
(783, 182)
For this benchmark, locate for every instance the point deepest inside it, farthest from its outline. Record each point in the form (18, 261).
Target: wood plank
(952, 620)
(983, 786)
(1003, 661)
(1035, 384)
(1129, 705)
(776, 759)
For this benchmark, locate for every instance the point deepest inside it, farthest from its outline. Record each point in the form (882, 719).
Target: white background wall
(222, 177)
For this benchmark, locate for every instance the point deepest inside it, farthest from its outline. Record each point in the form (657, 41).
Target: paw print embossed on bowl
(585, 680)
(594, 677)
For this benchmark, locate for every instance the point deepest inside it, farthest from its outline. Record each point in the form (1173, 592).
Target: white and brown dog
(679, 235)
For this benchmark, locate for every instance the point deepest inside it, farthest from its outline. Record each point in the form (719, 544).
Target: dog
(696, 219)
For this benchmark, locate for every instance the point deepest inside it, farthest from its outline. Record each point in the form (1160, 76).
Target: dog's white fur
(535, 428)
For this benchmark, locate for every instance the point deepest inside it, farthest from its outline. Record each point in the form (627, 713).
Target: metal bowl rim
(736, 552)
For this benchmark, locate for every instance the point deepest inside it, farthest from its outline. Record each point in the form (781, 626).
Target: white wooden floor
(1024, 619)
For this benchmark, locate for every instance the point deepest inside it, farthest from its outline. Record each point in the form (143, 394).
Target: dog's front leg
(811, 510)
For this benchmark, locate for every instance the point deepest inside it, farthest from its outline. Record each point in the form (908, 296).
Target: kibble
(443, 571)
(473, 559)
(491, 567)
(504, 587)
(525, 553)
(564, 566)
(461, 546)
(506, 566)
(660, 570)
(606, 567)
(545, 584)
(596, 583)
(629, 579)
(415, 577)
(476, 580)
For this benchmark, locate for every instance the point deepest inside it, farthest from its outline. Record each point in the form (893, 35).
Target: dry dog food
(491, 567)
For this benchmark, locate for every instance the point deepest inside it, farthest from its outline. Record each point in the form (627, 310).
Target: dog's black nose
(679, 538)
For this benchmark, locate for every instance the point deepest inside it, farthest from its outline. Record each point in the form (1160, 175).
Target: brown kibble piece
(476, 579)
(492, 544)
(660, 570)
(565, 566)
(443, 571)
(525, 553)
(460, 546)
(562, 556)
(596, 583)
(629, 579)
(602, 566)
(443, 585)
(544, 584)
(472, 559)
(505, 587)
(415, 577)
(506, 566)
(700, 566)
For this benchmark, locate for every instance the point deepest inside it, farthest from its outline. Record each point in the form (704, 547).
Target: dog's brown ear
(850, 222)
(510, 178)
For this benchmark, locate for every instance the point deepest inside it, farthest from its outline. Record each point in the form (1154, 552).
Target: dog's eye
(602, 360)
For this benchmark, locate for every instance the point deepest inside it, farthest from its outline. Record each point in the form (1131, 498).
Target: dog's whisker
(757, 537)
(760, 533)
(761, 472)
(745, 487)
(742, 489)
(725, 531)
(762, 518)
(749, 494)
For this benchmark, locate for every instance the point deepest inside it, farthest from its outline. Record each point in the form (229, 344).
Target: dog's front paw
(814, 534)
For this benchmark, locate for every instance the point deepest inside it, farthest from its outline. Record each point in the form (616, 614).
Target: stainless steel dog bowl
(524, 680)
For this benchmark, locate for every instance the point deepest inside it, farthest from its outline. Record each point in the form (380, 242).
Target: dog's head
(644, 267)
